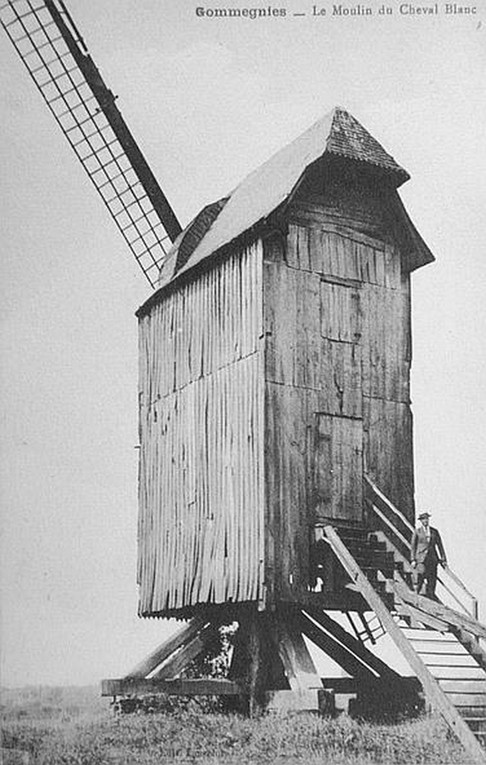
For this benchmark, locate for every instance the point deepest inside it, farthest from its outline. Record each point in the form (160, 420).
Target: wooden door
(336, 448)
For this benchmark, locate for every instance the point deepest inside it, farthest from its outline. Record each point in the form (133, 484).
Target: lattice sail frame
(57, 59)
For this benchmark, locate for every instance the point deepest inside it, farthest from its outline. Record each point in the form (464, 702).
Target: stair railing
(389, 515)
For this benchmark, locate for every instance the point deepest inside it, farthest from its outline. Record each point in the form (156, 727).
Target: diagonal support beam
(167, 648)
(187, 653)
(365, 657)
(339, 653)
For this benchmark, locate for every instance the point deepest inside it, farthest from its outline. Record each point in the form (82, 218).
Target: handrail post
(475, 609)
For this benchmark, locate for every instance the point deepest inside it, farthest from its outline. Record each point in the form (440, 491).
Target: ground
(54, 726)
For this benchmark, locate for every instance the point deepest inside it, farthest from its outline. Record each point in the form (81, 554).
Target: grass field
(75, 727)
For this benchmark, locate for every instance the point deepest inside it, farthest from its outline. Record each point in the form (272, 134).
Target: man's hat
(424, 515)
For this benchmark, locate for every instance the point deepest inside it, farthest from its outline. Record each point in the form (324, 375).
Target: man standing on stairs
(427, 552)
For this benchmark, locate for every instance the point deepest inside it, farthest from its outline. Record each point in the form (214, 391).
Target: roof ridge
(337, 133)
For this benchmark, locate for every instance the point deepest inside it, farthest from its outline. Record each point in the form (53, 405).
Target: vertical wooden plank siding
(371, 266)
(387, 354)
(337, 367)
(200, 534)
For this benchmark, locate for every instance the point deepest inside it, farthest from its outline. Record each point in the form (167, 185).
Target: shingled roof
(271, 184)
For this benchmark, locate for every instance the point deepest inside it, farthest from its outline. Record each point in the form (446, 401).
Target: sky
(208, 100)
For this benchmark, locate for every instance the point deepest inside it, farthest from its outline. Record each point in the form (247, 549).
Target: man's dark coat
(427, 554)
(427, 551)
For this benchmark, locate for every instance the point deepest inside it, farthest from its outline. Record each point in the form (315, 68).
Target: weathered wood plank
(360, 220)
(286, 487)
(181, 687)
(340, 312)
(464, 686)
(388, 442)
(466, 699)
(433, 647)
(459, 661)
(455, 672)
(337, 468)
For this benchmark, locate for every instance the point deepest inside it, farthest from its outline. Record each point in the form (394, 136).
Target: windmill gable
(337, 135)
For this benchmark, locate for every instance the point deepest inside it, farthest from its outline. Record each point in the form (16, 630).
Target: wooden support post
(272, 663)
(255, 668)
(299, 666)
(256, 664)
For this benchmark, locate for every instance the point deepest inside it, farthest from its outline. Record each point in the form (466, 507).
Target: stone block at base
(312, 700)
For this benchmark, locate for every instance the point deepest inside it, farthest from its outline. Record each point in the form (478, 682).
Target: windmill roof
(266, 188)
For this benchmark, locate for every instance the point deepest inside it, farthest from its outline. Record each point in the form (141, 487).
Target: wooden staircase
(440, 643)
(458, 672)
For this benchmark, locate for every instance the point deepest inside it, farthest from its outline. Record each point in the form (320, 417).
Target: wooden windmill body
(276, 456)
(275, 373)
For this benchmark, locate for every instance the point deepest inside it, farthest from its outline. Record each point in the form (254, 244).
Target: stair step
(427, 633)
(440, 640)
(458, 661)
(353, 535)
(377, 556)
(477, 725)
(371, 572)
(377, 545)
(472, 712)
(359, 552)
(466, 699)
(377, 565)
(464, 672)
(438, 648)
(463, 686)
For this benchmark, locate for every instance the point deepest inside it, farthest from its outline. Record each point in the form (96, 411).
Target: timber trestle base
(271, 667)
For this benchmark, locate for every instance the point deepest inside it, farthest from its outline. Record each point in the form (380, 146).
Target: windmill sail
(58, 61)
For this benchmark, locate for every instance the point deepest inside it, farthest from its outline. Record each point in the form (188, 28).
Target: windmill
(276, 464)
